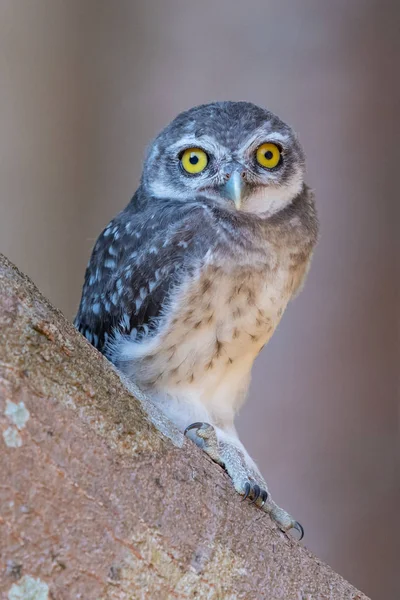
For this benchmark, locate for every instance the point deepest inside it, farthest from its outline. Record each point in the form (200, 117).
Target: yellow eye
(268, 155)
(194, 160)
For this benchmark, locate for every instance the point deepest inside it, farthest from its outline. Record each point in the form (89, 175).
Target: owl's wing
(136, 261)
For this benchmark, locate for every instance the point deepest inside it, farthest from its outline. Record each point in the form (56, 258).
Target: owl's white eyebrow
(203, 142)
(262, 136)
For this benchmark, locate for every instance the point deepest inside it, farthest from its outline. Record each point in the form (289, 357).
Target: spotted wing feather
(140, 256)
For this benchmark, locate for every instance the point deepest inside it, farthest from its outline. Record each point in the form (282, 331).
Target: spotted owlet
(188, 283)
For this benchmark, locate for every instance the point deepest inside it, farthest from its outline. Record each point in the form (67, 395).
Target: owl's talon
(256, 492)
(299, 528)
(206, 438)
(192, 426)
(264, 497)
(247, 488)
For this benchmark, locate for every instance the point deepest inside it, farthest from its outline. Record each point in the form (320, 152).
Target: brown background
(85, 84)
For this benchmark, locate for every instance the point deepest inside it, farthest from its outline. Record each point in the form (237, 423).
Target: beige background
(85, 84)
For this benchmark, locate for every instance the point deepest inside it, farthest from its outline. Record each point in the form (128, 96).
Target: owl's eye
(268, 155)
(194, 160)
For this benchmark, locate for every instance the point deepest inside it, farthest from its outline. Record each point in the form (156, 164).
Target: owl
(188, 283)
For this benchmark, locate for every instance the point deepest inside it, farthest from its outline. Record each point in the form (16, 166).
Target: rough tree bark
(100, 501)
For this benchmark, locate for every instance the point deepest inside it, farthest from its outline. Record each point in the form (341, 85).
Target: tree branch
(100, 501)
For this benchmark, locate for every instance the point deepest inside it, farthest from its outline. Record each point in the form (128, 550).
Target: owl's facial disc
(232, 154)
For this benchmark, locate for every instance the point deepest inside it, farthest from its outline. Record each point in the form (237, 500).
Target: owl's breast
(215, 325)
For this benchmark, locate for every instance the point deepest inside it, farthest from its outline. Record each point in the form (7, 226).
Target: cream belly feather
(198, 365)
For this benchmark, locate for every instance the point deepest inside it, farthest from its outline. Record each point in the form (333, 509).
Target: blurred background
(84, 86)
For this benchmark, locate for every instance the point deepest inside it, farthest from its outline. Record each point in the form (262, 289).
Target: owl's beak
(233, 188)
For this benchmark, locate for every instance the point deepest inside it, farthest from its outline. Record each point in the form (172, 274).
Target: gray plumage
(189, 281)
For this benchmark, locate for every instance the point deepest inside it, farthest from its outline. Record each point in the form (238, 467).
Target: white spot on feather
(96, 308)
(114, 298)
(109, 263)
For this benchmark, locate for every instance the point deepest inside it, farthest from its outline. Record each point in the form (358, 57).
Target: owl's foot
(242, 470)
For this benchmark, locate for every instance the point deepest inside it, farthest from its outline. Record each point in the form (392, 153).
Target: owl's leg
(227, 450)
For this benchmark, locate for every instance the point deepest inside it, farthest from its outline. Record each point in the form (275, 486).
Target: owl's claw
(243, 475)
(300, 529)
(193, 426)
(256, 493)
(247, 488)
(285, 522)
(207, 439)
(264, 497)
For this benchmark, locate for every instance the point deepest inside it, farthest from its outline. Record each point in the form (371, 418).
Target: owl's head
(235, 154)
